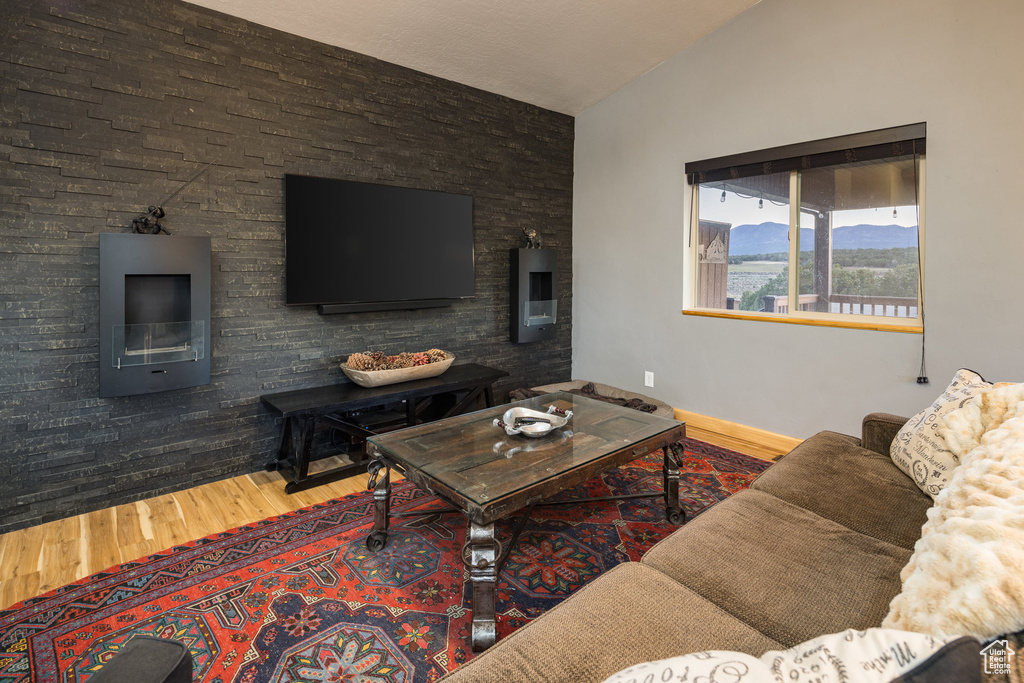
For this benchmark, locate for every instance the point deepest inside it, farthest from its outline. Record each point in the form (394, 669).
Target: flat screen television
(374, 247)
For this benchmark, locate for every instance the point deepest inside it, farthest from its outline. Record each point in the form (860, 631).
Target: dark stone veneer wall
(109, 106)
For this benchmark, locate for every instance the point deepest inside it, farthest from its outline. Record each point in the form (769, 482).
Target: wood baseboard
(759, 443)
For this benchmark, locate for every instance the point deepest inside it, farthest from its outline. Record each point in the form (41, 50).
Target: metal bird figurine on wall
(149, 223)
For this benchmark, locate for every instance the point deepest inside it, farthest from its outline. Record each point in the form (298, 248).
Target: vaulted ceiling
(564, 55)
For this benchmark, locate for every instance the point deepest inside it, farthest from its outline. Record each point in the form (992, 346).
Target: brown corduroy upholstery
(852, 440)
(879, 429)
(783, 570)
(861, 489)
(815, 546)
(631, 614)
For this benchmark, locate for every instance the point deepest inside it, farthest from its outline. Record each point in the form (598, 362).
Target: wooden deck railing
(890, 306)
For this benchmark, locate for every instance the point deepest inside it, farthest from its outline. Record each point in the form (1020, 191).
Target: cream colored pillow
(876, 655)
(920, 450)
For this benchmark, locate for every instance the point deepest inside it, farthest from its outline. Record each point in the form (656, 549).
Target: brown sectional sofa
(815, 546)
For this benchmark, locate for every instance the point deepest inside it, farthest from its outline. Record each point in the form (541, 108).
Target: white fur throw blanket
(966, 576)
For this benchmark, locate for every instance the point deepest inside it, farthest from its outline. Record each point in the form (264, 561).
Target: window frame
(695, 170)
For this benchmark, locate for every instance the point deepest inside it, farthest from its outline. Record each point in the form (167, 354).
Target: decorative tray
(532, 423)
(379, 378)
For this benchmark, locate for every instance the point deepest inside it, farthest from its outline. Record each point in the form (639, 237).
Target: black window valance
(870, 146)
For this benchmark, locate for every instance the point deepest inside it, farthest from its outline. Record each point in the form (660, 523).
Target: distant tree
(848, 281)
(847, 258)
(874, 258)
(777, 286)
(900, 281)
(778, 256)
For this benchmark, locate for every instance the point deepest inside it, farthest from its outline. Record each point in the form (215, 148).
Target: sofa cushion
(856, 487)
(783, 570)
(876, 655)
(629, 615)
(920, 450)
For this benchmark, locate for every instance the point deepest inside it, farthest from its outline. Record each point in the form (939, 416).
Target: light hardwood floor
(41, 558)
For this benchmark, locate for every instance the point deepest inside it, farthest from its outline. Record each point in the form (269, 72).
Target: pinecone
(436, 355)
(359, 361)
(420, 359)
(378, 358)
(398, 362)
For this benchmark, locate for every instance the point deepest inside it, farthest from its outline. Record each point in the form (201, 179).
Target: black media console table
(357, 411)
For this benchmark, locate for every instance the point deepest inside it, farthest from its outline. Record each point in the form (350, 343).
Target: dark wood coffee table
(487, 475)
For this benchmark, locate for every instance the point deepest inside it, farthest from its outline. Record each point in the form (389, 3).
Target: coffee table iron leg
(674, 512)
(483, 573)
(380, 482)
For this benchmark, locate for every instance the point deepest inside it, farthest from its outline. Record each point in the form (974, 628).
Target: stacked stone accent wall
(109, 106)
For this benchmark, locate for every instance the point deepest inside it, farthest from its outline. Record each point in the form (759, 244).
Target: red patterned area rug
(300, 598)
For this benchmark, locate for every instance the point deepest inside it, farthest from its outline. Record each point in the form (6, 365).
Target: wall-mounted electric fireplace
(154, 313)
(534, 294)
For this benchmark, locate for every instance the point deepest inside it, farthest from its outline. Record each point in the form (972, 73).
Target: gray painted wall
(789, 71)
(107, 107)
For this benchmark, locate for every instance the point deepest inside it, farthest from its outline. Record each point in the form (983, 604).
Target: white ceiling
(563, 55)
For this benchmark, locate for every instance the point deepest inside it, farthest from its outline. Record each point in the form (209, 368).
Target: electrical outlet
(648, 379)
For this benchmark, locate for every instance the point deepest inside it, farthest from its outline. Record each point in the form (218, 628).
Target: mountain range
(771, 238)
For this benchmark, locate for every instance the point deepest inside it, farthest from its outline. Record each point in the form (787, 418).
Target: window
(826, 232)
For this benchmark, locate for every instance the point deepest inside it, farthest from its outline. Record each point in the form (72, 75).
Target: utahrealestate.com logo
(997, 656)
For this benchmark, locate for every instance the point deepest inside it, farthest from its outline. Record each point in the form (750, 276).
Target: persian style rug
(300, 598)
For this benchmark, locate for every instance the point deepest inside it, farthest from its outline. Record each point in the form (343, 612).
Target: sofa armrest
(878, 431)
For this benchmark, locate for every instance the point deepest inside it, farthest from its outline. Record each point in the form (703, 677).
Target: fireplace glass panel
(158, 326)
(148, 343)
(540, 312)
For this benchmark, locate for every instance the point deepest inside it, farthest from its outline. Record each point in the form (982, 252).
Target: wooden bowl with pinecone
(376, 369)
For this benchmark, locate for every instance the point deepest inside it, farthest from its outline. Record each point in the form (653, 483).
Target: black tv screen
(349, 242)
